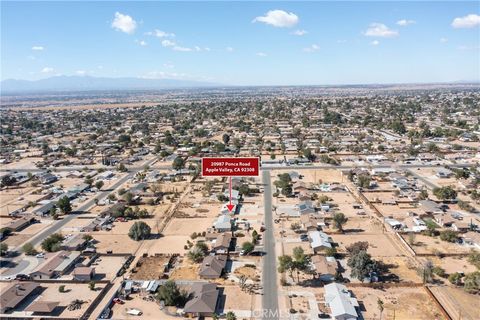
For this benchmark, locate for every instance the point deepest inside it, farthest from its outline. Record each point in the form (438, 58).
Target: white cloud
(38, 48)
(124, 23)
(469, 21)
(443, 40)
(207, 49)
(81, 72)
(468, 48)
(375, 43)
(168, 43)
(141, 43)
(47, 70)
(312, 48)
(278, 18)
(229, 49)
(160, 34)
(405, 22)
(299, 32)
(380, 30)
(183, 49)
(168, 65)
(261, 54)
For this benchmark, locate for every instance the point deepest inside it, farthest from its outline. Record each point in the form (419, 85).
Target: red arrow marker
(230, 206)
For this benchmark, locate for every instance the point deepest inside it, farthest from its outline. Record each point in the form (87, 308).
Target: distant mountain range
(88, 83)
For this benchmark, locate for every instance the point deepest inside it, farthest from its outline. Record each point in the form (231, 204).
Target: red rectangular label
(241, 167)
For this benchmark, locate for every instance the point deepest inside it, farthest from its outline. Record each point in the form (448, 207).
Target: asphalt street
(270, 290)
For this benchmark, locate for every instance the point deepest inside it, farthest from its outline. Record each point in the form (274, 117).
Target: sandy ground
(169, 244)
(406, 303)
(108, 266)
(150, 309)
(118, 243)
(186, 227)
(458, 303)
(150, 268)
(379, 244)
(426, 244)
(236, 299)
(453, 264)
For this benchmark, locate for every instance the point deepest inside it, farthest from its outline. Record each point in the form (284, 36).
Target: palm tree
(380, 307)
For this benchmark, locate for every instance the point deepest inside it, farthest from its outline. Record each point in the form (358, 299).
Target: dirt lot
(168, 244)
(186, 227)
(403, 267)
(108, 266)
(118, 243)
(150, 309)
(150, 268)
(379, 244)
(236, 299)
(455, 299)
(185, 271)
(453, 264)
(426, 244)
(405, 303)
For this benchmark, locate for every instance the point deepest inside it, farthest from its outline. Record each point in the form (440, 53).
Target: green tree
(3, 249)
(339, 220)
(139, 231)
(171, 294)
(248, 247)
(64, 205)
(231, 316)
(244, 190)
(178, 163)
(448, 235)
(91, 285)
(474, 258)
(28, 249)
(99, 184)
(52, 243)
(285, 264)
(225, 138)
(472, 282)
(445, 193)
(362, 265)
(455, 278)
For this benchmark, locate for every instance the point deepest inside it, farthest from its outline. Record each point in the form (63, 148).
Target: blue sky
(244, 43)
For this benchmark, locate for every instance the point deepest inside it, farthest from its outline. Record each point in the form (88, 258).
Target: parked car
(22, 277)
(40, 255)
(134, 312)
(118, 301)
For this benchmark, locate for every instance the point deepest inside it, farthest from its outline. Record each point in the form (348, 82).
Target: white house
(319, 241)
(342, 304)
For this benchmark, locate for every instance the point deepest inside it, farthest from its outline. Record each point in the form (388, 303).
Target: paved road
(426, 181)
(270, 290)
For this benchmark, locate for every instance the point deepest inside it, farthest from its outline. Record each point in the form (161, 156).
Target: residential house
(223, 223)
(325, 267)
(319, 241)
(83, 273)
(222, 243)
(55, 264)
(340, 301)
(15, 293)
(204, 301)
(212, 267)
